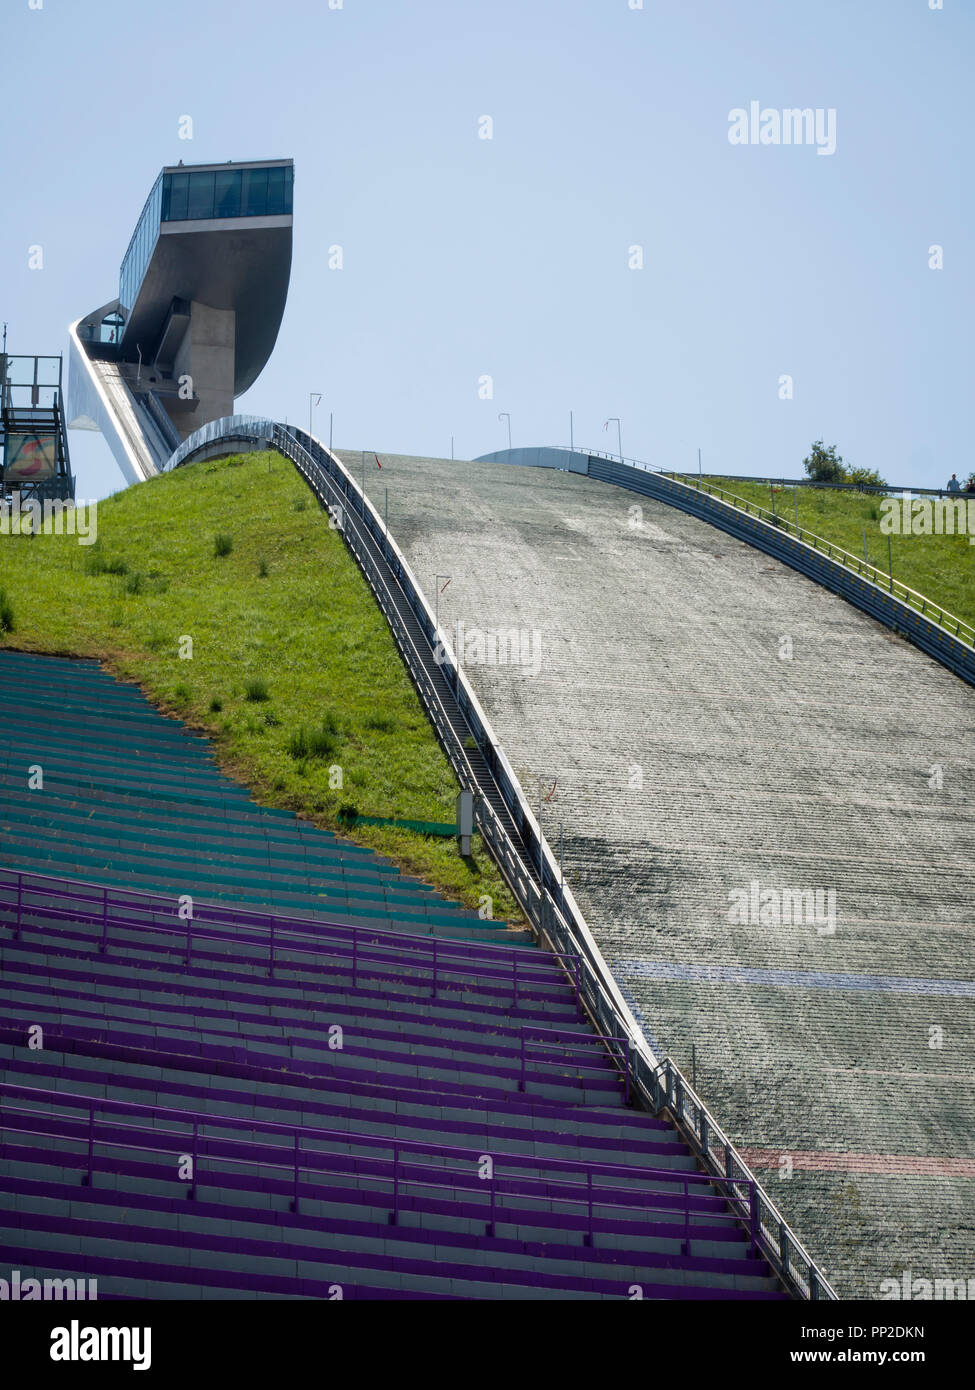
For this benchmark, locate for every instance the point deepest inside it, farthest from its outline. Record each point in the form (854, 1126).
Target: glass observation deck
(203, 194)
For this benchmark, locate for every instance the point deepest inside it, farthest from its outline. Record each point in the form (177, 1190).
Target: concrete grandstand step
(459, 1038)
(54, 1191)
(372, 1246)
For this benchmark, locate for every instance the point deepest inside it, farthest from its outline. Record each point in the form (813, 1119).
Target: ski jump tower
(202, 290)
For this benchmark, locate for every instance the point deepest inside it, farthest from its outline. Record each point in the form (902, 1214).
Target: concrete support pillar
(206, 356)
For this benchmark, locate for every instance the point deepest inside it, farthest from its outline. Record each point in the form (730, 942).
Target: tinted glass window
(179, 189)
(201, 196)
(275, 191)
(255, 193)
(140, 247)
(226, 194)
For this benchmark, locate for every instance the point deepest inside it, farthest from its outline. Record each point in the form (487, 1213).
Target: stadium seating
(382, 1096)
(130, 797)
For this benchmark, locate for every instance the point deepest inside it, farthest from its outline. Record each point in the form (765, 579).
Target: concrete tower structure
(202, 290)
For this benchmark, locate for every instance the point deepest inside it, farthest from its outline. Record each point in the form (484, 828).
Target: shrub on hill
(826, 466)
(6, 613)
(823, 465)
(97, 563)
(869, 477)
(315, 743)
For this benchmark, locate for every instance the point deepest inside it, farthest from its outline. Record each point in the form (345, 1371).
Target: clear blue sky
(508, 257)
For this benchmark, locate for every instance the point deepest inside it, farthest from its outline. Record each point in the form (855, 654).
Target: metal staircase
(34, 459)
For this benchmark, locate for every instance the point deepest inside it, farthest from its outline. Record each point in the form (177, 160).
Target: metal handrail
(561, 924)
(873, 573)
(392, 1170)
(277, 931)
(881, 490)
(605, 454)
(536, 1042)
(886, 489)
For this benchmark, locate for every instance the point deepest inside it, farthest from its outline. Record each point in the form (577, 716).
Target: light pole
(314, 398)
(505, 416)
(614, 420)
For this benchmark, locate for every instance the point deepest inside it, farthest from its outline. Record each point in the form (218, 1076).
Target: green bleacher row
(132, 799)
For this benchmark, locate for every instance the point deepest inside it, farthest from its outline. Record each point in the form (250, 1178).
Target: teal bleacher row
(320, 1004)
(132, 798)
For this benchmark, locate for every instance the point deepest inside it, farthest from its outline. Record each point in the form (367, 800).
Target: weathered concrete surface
(661, 649)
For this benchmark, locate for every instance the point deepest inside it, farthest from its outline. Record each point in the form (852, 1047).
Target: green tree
(868, 476)
(824, 465)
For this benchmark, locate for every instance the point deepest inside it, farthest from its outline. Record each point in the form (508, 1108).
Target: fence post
(890, 565)
(191, 1191)
(393, 1214)
(582, 1012)
(687, 1217)
(588, 1239)
(784, 1247)
(626, 1063)
(87, 1179)
(434, 967)
(294, 1200)
(515, 975)
(521, 1081)
(355, 959)
(753, 1214)
(271, 962)
(20, 890)
(104, 945)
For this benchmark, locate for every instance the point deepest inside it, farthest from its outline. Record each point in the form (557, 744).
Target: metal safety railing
(576, 1191)
(867, 489)
(529, 866)
(609, 456)
(32, 900)
(857, 564)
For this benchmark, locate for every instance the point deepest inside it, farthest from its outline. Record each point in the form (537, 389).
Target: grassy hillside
(940, 567)
(293, 669)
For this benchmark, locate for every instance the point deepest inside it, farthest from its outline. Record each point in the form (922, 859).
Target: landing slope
(711, 720)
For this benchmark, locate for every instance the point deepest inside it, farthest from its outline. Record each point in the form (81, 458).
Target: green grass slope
(293, 672)
(940, 567)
